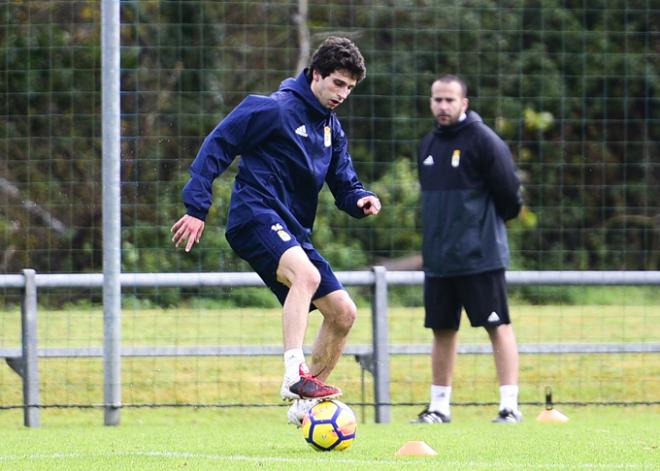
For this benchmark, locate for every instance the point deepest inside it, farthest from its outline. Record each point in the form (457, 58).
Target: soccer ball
(329, 425)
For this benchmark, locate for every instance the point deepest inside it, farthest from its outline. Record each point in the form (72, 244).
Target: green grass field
(633, 377)
(600, 438)
(227, 380)
(596, 437)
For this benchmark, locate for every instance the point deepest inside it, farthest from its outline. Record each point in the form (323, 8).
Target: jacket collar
(470, 118)
(301, 87)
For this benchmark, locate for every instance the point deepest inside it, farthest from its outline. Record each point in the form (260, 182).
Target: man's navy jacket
(289, 145)
(469, 188)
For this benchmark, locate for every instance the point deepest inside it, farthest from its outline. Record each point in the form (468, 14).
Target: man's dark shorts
(262, 246)
(483, 296)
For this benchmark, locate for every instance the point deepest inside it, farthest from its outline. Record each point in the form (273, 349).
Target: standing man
(469, 189)
(290, 143)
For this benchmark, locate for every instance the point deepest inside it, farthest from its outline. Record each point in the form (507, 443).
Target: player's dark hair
(448, 78)
(338, 53)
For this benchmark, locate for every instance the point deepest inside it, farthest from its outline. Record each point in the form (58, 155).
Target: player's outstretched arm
(369, 204)
(188, 230)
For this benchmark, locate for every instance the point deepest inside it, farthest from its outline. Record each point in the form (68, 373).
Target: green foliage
(351, 243)
(569, 86)
(397, 229)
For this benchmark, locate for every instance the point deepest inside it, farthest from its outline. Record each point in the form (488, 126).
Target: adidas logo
(428, 160)
(301, 131)
(493, 317)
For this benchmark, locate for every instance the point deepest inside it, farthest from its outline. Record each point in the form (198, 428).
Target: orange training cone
(414, 448)
(550, 414)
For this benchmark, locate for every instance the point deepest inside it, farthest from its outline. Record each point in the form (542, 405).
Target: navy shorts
(262, 246)
(483, 296)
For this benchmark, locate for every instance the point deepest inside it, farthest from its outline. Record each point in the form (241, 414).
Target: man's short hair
(448, 78)
(338, 53)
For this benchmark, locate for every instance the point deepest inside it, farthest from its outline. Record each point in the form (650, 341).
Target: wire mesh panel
(571, 86)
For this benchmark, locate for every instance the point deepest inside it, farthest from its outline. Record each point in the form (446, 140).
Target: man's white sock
(292, 360)
(440, 397)
(509, 397)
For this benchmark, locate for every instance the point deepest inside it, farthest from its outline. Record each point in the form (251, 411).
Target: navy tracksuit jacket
(469, 188)
(290, 145)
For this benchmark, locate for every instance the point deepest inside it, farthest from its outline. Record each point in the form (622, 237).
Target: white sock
(509, 397)
(440, 397)
(292, 360)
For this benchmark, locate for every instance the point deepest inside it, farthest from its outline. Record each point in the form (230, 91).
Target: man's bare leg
(443, 361)
(505, 351)
(443, 356)
(297, 272)
(339, 313)
(301, 276)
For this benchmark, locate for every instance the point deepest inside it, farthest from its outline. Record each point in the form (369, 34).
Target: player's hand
(187, 230)
(369, 204)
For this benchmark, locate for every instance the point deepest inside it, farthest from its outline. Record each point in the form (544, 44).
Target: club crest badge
(456, 158)
(327, 136)
(279, 230)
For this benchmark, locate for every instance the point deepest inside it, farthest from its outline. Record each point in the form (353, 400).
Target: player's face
(332, 90)
(447, 102)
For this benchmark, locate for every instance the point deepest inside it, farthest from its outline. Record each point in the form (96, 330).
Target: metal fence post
(381, 356)
(30, 367)
(111, 110)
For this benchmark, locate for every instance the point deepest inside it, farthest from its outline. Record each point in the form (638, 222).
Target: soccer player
(290, 143)
(469, 189)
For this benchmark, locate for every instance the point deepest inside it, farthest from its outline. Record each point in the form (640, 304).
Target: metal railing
(373, 358)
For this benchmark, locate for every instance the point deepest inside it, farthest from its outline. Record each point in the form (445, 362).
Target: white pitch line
(278, 459)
